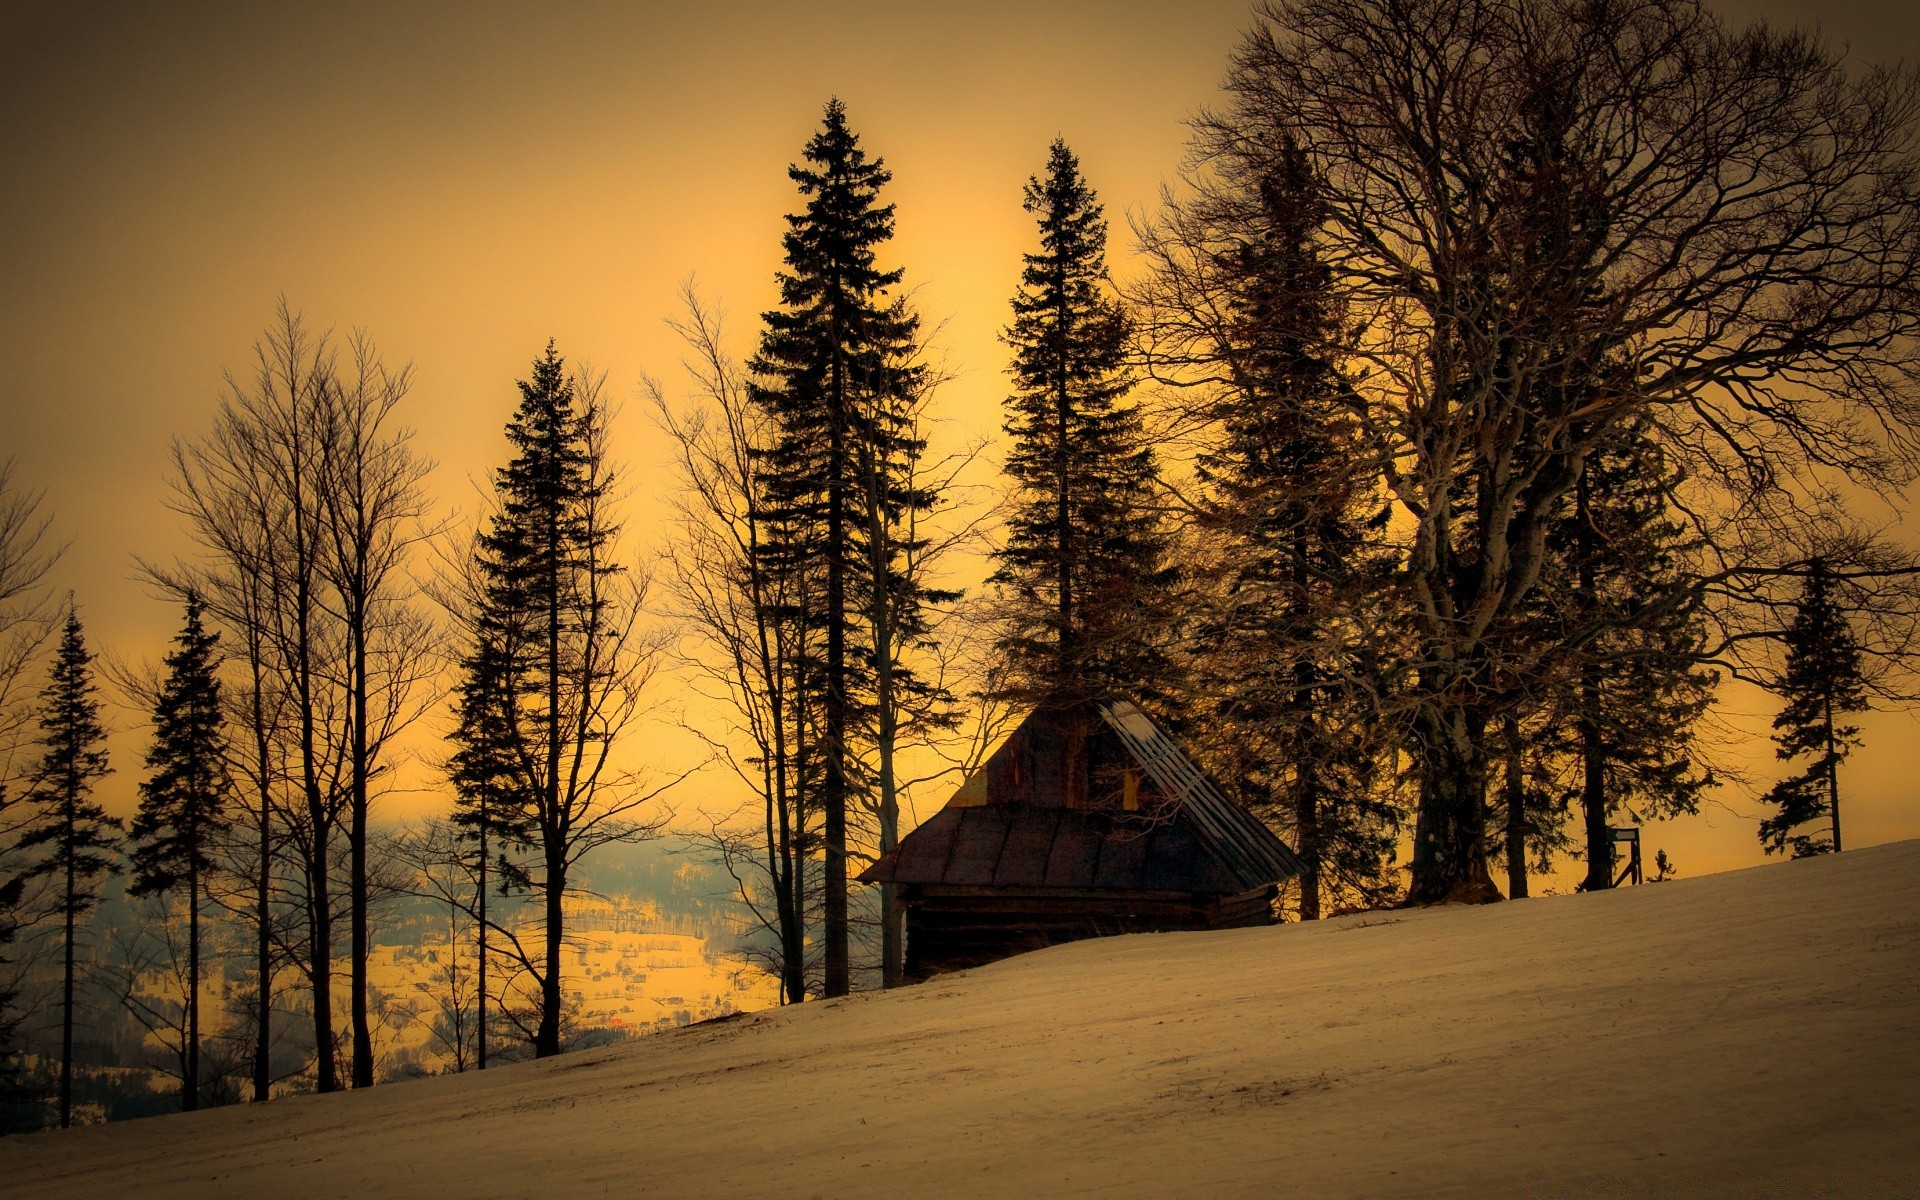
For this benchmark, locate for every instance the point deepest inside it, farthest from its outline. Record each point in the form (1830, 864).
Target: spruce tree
(836, 371)
(553, 667)
(486, 818)
(1628, 687)
(78, 839)
(183, 802)
(1822, 684)
(1085, 561)
(1297, 555)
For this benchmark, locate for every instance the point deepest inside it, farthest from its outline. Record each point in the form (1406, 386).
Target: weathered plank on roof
(1046, 811)
(1248, 850)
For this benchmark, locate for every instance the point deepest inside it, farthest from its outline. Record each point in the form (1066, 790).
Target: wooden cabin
(1086, 821)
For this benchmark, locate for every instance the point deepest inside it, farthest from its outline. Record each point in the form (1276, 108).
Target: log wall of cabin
(952, 928)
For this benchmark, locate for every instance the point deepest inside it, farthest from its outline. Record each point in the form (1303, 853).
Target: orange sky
(467, 179)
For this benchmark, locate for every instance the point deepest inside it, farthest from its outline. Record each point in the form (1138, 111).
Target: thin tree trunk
(357, 838)
(1593, 750)
(1307, 795)
(263, 913)
(66, 997)
(1833, 773)
(892, 958)
(1307, 823)
(1063, 526)
(547, 1039)
(480, 1025)
(1593, 790)
(837, 980)
(190, 1087)
(1516, 810)
(794, 951)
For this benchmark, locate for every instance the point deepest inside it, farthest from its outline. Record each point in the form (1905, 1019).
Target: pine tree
(1822, 683)
(486, 818)
(78, 836)
(1629, 688)
(836, 371)
(1085, 562)
(1297, 554)
(554, 664)
(183, 802)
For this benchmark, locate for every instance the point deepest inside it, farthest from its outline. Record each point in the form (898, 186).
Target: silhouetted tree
(1637, 686)
(1085, 564)
(253, 491)
(748, 621)
(835, 360)
(26, 620)
(78, 840)
(1521, 309)
(373, 509)
(1293, 561)
(183, 804)
(555, 662)
(304, 500)
(1821, 685)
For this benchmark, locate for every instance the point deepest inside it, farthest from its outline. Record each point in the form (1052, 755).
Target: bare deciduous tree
(1551, 219)
(305, 499)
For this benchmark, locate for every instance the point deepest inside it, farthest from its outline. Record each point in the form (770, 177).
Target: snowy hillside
(1755, 1033)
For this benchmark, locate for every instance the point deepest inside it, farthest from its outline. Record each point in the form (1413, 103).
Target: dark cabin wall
(951, 929)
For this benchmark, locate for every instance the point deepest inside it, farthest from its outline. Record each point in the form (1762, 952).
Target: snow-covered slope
(1752, 1034)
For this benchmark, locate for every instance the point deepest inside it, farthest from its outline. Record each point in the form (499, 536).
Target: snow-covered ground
(1749, 1034)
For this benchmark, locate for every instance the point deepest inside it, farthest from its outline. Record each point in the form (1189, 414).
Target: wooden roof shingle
(1025, 821)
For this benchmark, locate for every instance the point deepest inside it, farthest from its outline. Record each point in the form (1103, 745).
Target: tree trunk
(1449, 857)
(794, 949)
(357, 837)
(1833, 774)
(190, 1086)
(480, 1024)
(546, 1041)
(1063, 525)
(833, 792)
(1593, 791)
(320, 927)
(1516, 785)
(262, 898)
(546, 1038)
(1308, 796)
(1307, 822)
(1593, 749)
(66, 997)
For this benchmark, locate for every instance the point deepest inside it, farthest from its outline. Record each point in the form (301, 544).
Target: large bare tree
(375, 512)
(1550, 219)
(305, 500)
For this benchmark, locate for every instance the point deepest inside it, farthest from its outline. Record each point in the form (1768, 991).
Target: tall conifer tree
(835, 369)
(1085, 558)
(79, 839)
(554, 666)
(1298, 553)
(183, 802)
(1823, 684)
(1633, 632)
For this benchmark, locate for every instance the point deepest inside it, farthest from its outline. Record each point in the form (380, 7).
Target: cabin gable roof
(1042, 814)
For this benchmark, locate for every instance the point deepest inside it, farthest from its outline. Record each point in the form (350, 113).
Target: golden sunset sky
(465, 180)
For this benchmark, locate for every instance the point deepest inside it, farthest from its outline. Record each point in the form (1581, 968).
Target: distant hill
(1748, 1034)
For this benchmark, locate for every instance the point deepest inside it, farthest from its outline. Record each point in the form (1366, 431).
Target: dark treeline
(1490, 390)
